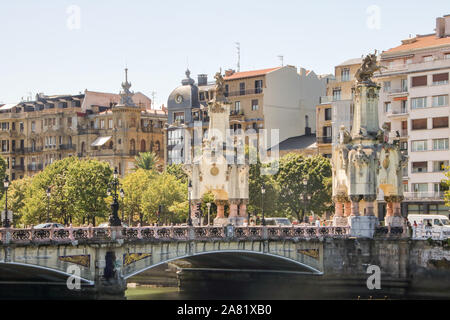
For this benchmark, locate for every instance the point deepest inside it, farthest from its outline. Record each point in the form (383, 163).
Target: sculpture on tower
(215, 170)
(364, 162)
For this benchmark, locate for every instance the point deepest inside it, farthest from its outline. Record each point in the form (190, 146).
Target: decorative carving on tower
(126, 95)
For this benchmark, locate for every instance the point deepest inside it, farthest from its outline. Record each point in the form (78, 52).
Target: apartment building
(336, 108)
(414, 102)
(277, 98)
(103, 126)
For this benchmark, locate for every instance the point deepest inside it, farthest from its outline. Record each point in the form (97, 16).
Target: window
(33, 126)
(242, 88)
(419, 124)
(441, 122)
(69, 121)
(227, 88)
(404, 85)
(5, 126)
(439, 166)
(258, 86)
(110, 123)
(255, 104)
(428, 58)
(327, 114)
(404, 146)
(336, 94)
(440, 144)
(120, 123)
(419, 167)
(447, 56)
(387, 86)
(179, 117)
(202, 96)
(420, 187)
(440, 79)
(102, 124)
(419, 81)
(405, 186)
(440, 101)
(387, 107)
(327, 132)
(345, 74)
(237, 106)
(306, 122)
(419, 145)
(418, 103)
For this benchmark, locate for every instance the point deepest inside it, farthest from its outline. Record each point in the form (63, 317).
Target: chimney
(202, 79)
(302, 71)
(447, 26)
(229, 72)
(440, 27)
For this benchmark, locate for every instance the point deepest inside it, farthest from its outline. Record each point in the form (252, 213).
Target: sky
(65, 47)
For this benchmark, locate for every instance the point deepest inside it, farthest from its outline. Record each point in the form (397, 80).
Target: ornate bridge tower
(364, 161)
(216, 168)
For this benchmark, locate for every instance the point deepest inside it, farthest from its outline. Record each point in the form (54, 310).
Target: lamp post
(114, 220)
(305, 184)
(6, 223)
(209, 212)
(263, 191)
(189, 197)
(122, 195)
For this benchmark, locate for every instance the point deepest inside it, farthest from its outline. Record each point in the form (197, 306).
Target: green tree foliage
(167, 191)
(146, 161)
(294, 168)
(134, 185)
(447, 183)
(256, 199)
(177, 171)
(87, 183)
(2, 174)
(17, 193)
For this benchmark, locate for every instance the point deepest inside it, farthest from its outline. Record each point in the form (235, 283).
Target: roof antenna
(282, 60)
(238, 47)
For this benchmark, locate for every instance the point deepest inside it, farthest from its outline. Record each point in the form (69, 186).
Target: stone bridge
(107, 257)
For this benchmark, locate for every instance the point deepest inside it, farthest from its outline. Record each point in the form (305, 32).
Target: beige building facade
(97, 125)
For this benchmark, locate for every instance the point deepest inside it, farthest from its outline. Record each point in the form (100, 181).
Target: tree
(270, 198)
(134, 186)
(447, 183)
(2, 174)
(167, 191)
(177, 171)
(87, 183)
(146, 161)
(294, 168)
(17, 192)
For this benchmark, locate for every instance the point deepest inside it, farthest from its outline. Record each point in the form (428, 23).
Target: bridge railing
(172, 233)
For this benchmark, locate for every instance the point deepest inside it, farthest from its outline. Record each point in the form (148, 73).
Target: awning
(400, 98)
(8, 106)
(100, 141)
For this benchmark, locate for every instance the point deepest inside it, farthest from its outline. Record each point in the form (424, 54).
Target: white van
(439, 223)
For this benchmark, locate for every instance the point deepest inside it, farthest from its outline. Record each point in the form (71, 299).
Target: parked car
(281, 222)
(49, 225)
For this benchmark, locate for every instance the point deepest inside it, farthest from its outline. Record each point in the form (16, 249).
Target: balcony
(342, 79)
(18, 167)
(330, 99)
(397, 91)
(67, 147)
(34, 149)
(413, 67)
(88, 131)
(411, 196)
(243, 92)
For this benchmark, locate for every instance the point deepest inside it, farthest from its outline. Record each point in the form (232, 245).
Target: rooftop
(297, 143)
(420, 42)
(250, 74)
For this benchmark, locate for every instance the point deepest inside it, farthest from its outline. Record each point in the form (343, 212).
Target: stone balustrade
(170, 233)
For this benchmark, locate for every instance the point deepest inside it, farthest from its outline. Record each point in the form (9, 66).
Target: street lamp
(305, 184)
(209, 211)
(189, 196)
(122, 195)
(263, 191)
(49, 193)
(6, 223)
(114, 220)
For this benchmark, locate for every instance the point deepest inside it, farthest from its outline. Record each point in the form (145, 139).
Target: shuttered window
(440, 78)
(419, 81)
(419, 124)
(441, 122)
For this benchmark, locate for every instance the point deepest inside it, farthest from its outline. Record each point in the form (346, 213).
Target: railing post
(264, 233)
(191, 233)
(71, 232)
(51, 233)
(139, 235)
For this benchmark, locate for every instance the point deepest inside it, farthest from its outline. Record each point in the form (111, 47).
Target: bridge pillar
(220, 219)
(355, 205)
(339, 220)
(234, 217)
(394, 217)
(370, 205)
(347, 209)
(243, 208)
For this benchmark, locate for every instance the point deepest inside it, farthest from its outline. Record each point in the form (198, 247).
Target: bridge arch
(244, 260)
